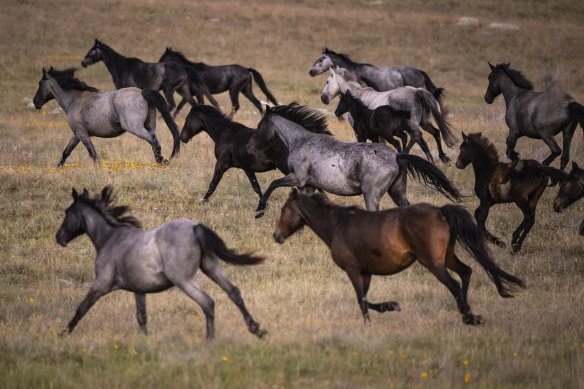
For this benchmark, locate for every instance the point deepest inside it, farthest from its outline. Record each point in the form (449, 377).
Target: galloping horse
(521, 182)
(421, 104)
(317, 160)
(230, 140)
(571, 190)
(537, 115)
(168, 76)
(105, 115)
(142, 262)
(366, 243)
(218, 79)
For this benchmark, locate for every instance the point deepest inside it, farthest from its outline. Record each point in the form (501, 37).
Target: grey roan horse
(537, 115)
(105, 115)
(317, 160)
(138, 261)
(169, 76)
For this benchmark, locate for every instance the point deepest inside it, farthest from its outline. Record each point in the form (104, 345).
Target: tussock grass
(317, 336)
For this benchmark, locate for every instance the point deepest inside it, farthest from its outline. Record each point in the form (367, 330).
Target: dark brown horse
(571, 190)
(521, 182)
(365, 243)
(231, 139)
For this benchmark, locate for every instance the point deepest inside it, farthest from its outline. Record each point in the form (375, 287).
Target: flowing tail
(577, 112)
(154, 98)
(466, 232)
(431, 105)
(429, 175)
(211, 242)
(260, 81)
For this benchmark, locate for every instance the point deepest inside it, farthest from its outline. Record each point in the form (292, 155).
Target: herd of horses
(387, 104)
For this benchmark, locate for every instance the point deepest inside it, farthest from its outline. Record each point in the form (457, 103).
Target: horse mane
(483, 143)
(516, 76)
(302, 115)
(184, 59)
(350, 76)
(105, 205)
(343, 57)
(66, 80)
(215, 114)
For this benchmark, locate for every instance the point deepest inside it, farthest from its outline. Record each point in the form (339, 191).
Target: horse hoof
(64, 332)
(165, 162)
(259, 213)
(263, 334)
(445, 159)
(472, 320)
(392, 306)
(515, 248)
(500, 244)
(203, 202)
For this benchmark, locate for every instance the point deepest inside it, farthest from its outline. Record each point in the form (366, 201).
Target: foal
(138, 261)
(521, 182)
(571, 190)
(364, 243)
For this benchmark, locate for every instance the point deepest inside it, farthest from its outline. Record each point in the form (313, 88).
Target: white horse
(421, 104)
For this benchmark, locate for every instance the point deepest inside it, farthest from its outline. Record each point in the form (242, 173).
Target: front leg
(141, 311)
(289, 180)
(254, 182)
(511, 142)
(72, 144)
(220, 169)
(92, 296)
(481, 214)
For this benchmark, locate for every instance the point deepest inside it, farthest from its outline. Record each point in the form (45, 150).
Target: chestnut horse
(571, 190)
(364, 243)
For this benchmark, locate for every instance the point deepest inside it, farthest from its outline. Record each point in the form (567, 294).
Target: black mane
(483, 143)
(344, 57)
(105, 205)
(301, 115)
(516, 76)
(214, 114)
(66, 80)
(181, 57)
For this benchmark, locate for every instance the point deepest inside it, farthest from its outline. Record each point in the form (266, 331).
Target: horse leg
(141, 311)
(372, 197)
(220, 169)
(147, 131)
(179, 107)
(481, 214)
(555, 149)
(511, 142)
(464, 272)
(416, 137)
(528, 207)
(358, 282)
(195, 292)
(289, 180)
(567, 135)
(92, 296)
(72, 143)
(247, 92)
(429, 128)
(254, 182)
(86, 140)
(210, 266)
(234, 96)
(397, 189)
(379, 307)
(168, 94)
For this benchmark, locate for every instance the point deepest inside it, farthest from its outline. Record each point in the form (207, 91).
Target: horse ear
(492, 67)
(294, 193)
(44, 72)
(325, 50)
(74, 194)
(574, 166)
(85, 193)
(464, 137)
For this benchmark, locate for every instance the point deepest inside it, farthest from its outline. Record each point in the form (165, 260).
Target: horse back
(513, 180)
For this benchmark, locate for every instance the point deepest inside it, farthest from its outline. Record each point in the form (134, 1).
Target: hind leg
(141, 311)
(429, 128)
(397, 190)
(416, 137)
(247, 92)
(147, 131)
(554, 148)
(210, 266)
(567, 135)
(254, 182)
(528, 207)
(464, 272)
(194, 291)
(234, 96)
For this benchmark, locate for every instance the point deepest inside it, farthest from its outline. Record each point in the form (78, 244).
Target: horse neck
(289, 132)
(343, 63)
(320, 218)
(363, 93)
(508, 88)
(357, 110)
(96, 227)
(65, 98)
(115, 63)
(482, 164)
(211, 128)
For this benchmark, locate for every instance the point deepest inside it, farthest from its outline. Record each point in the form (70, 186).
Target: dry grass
(317, 335)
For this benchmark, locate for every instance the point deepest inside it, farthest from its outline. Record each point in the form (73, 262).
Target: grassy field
(317, 335)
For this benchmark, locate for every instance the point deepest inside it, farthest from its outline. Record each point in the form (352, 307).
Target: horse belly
(142, 268)
(336, 176)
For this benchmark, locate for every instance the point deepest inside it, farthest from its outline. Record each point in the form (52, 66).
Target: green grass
(317, 335)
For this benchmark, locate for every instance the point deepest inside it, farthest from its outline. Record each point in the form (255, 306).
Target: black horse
(230, 140)
(170, 77)
(218, 79)
(571, 190)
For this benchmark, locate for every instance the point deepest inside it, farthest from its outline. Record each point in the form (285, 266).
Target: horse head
(332, 86)
(290, 220)
(465, 153)
(93, 55)
(571, 189)
(321, 65)
(193, 125)
(44, 92)
(72, 225)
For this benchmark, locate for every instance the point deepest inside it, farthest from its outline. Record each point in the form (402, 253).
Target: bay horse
(364, 243)
(230, 140)
(142, 262)
(317, 160)
(105, 115)
(571, 190)
(168, 76)
(383, 121)
(218, 79)
(521, 182)
(423, 106)
(537, 115)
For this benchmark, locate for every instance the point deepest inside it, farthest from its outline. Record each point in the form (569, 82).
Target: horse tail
(154, 98)
(428, 83)
(211, 242)
(464, 230)
(196, 79)
(431, 105)
(429, 175)
(261, 83)
(577, 112)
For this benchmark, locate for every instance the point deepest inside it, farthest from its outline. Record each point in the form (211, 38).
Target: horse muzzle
(61, 239)
(489, 99)
(86, 62)
(324, 98)
(278, 237)
(557, 207)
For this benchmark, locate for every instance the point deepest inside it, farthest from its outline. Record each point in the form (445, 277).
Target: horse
(142, 262)
(521, 182)
(571, 190)
(381, 79)
(317, 160)
(168, 76)
(364, 243)
(105, 115)
(537, 115)
(218, 79)
(383, 121)
(230, 140)
(419, 102)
